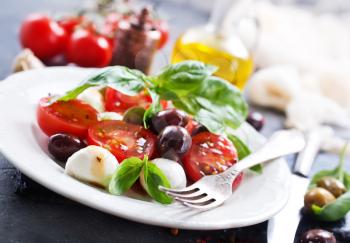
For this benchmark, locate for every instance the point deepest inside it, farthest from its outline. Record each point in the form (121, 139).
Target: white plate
(257, 199)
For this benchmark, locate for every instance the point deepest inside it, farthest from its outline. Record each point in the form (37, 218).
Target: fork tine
(192, 195)
(196, 200)
(203, 206)
(186, 190)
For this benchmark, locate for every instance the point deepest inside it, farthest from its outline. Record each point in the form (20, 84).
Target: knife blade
(284, 224)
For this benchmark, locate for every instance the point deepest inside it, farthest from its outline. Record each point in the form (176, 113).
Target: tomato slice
(209, 154)
(72, 117)
(123, 139)
(119, 102)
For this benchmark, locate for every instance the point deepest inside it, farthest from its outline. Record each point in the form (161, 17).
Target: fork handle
(281, 143)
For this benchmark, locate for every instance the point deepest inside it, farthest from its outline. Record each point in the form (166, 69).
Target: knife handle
(307, 156)
(282, 227)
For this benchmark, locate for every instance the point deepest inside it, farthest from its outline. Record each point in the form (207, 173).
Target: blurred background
(193, 13)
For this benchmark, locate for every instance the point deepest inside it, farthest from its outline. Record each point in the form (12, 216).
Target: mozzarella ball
(172, 170)
(93, 97)
(109, 116)
(92, 164)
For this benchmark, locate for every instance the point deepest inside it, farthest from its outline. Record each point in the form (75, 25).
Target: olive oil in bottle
(209, 45)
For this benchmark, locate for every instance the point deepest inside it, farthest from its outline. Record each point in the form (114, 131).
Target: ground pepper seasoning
(137, 42)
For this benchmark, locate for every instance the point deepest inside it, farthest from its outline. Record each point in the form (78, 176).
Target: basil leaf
(346, 180)
(184, 77)
(127, 81)
(154, 178)
(216, 104)
(243, 151)
(333, 211)
(125, 175)
(72, 94)
(154, 108)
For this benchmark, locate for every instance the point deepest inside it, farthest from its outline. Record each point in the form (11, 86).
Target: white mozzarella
(92, 164)
(93, 97)
(172, 170)
(109, 116)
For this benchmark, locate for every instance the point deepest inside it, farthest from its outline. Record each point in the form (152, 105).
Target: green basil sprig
(341, 206)
(130, 170)
(126, 175)
(190, 86)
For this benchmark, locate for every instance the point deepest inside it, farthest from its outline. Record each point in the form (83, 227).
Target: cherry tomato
(69, 23)
(119, 102)
(123, 139)
(209, 154)
(72, 117)
(43, 36)
(163, 28)
(88, 49)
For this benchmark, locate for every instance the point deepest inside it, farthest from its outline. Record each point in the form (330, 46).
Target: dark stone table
(31, 213)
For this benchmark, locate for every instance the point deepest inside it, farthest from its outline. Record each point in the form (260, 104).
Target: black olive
(167, 118)
(61, 146)
(256, 119)
(317, 236)
(174, 142)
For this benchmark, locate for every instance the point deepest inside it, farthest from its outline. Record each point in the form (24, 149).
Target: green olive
(318, 196)
(332, 185)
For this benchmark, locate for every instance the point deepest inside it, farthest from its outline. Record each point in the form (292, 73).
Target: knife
(284, 224)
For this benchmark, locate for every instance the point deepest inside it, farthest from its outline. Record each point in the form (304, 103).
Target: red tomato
(123, 139)
(209, 154)
(88, 49)
(72, 117)
(163, 28)
(119, 102)
(69, 23)
(43, 36)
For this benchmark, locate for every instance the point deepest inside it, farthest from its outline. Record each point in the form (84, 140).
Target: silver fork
(211, 191)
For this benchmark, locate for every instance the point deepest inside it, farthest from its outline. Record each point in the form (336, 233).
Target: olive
(256, 119)
(134, 115)
(174, 142)
(318, 196)
(332, 185)
(317, 236)
(61, 146)
(167, 118)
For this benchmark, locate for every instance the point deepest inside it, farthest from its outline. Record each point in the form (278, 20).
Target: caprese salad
(120, 126)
